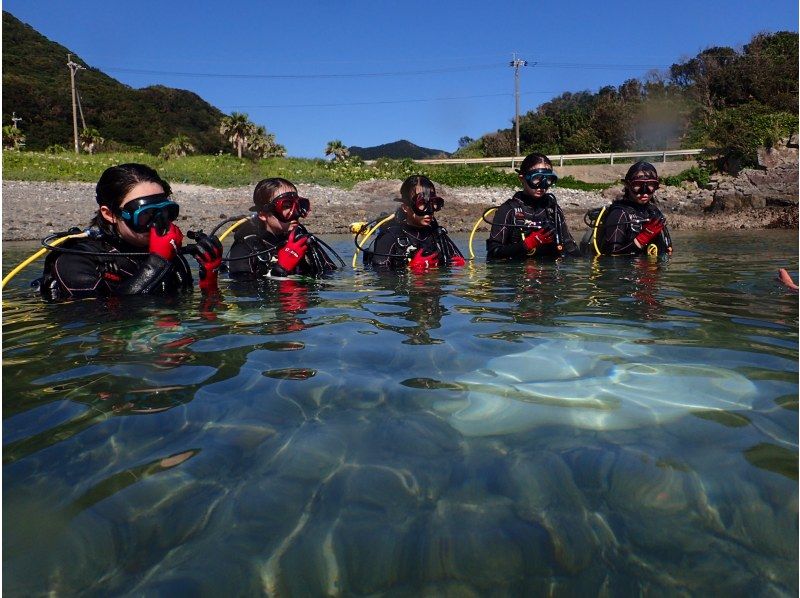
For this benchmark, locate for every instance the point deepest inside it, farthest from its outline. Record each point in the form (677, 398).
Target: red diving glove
(650, 229)
(292, 252)
(166, 246)
(209, 255)
(421, 262)
(457, 260)
(543, 236)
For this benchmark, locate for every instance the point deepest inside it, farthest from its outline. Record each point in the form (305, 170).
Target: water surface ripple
(622, 427)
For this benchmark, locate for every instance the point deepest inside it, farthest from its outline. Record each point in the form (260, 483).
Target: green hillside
(397, 150)
(36, 85)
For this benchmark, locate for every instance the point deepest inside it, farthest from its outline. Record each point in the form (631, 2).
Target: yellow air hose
(232, 228)
(39, 254)
(359, 229)
(475, 228)
(594, 232)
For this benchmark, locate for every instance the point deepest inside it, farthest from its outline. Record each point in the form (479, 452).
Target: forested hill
(396, 150)
(36, 85)
(734, 99)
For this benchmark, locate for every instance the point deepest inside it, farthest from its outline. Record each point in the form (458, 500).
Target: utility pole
(15, 119)
(516, 63)
(73, 67)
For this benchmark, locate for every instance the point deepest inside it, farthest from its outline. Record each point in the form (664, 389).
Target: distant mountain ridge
(36, 85)
(396, 150)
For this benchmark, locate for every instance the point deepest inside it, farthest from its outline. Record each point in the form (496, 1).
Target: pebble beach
(32, 210)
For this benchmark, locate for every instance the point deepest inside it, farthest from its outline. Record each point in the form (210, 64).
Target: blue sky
(372, 72)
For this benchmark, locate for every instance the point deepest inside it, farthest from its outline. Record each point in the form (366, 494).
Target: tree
(338, 150)
(262, 144)
(179, 147)
(90, 139)
(465, 141)
(237, 129)
(13, 138)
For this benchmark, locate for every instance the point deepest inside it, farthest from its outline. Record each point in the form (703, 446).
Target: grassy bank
(227, 171)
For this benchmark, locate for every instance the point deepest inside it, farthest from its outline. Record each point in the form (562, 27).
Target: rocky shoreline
(32, 210)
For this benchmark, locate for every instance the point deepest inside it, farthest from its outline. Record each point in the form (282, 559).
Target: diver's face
(274, 224)
(412, 217)
(536, 193)
(415, 220)
(142, 189)
(641, 188)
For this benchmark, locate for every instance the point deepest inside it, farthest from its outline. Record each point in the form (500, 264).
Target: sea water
(616, 426)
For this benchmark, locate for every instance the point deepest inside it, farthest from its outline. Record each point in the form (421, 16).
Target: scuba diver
(272, 242)
(414, 239)
(632, 224)
(531, 222)
(132, 246)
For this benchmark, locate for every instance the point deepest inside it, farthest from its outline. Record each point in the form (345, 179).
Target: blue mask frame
(541, 178)
(144, 212)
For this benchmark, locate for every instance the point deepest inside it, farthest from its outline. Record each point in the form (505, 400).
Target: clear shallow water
(617, 427)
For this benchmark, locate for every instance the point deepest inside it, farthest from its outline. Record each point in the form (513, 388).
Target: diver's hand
(650, 230)
(292, 252)
(208, 253)
(166, 246)
(422, 261)
(543, 236)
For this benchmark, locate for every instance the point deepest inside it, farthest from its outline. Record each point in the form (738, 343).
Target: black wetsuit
(623, 221)
(523, 213)
(70, 275)
(397, 242)
(253, 237)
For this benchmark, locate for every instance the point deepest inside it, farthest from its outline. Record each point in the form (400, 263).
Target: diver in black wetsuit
(133, 246)
(531, 222)
(414, 239)
(633, 223)
(272, 242)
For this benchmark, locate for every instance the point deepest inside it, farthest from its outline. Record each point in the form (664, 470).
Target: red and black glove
(650, 230)
(457, 261)
(423, 259)
(208, 253)
(166, 246)
(292, 252)
(543, 236)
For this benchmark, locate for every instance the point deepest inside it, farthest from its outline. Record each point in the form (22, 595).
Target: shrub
(697, 174)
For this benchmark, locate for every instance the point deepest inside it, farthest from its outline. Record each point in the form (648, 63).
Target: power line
(456, 69)
(378, 102)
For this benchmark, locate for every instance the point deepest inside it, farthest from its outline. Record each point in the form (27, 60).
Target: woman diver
(634, 224)
(132, 246)
(414, 239)
(272, 242)
(531, 222)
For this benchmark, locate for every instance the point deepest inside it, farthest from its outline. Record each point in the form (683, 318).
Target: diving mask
(541, 178)
(643, 186)
(143, 213)
(289, 206)
(426, 206)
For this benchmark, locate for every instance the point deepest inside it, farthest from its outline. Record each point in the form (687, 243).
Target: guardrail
(514, 160)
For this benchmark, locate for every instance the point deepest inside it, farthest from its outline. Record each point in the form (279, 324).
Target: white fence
(561, 158)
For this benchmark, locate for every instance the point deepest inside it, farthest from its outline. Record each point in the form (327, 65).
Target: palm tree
(338, 150)
(238, 129)
(262, 144)
(90, 139)
(179, 147)
(13, 138)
